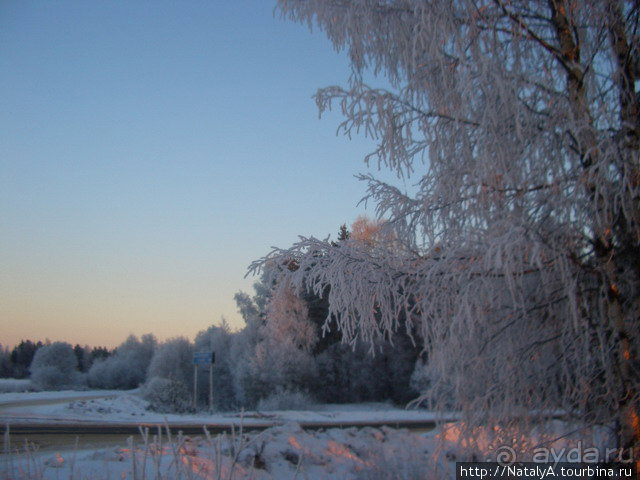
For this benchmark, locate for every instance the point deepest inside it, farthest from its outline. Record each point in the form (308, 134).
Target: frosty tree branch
(520, 122)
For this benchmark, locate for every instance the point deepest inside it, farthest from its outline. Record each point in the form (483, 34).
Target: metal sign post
(195, 384)
(211, 388)
(203, 358)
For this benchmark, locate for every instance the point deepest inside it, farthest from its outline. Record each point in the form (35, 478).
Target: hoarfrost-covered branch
(515, 260)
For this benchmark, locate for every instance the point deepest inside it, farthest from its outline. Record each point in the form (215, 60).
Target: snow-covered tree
(55, 366)
(243, 344)
(170, 376)
(173, 359)
(515, 259)
(127, 367)
(288, 322)
(167, 395)
(367, 231)
(283, 355)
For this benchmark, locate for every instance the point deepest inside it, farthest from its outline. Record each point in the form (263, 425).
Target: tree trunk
(607, 247)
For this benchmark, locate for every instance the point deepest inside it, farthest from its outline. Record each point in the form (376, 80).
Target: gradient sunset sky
(149, 151)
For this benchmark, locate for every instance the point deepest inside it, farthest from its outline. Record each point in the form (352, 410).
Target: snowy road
(97, 428)
(118, 408)
(110, 417)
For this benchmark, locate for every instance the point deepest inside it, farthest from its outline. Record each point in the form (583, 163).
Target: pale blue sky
(149, 151)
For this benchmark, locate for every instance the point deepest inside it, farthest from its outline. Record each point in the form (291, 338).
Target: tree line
(15, 362)
(286, 356)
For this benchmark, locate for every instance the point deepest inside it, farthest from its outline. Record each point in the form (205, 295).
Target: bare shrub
(167, 396)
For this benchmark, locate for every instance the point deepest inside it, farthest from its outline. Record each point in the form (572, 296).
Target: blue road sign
(204, 358)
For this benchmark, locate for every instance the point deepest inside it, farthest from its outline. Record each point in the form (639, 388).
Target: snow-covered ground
(281, 452)
(14, 385)
(285, 450)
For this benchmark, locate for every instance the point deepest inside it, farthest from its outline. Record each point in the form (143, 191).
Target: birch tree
(516, 256)
(283, 355)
